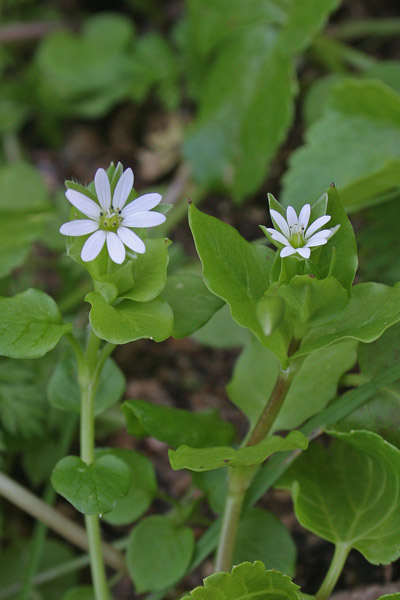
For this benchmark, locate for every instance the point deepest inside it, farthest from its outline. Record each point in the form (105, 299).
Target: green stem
(338, 57)
(241, 478)
(367, 28)
(87, 382)
(334, 571)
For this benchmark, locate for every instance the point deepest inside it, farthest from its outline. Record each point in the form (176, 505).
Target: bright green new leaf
(205, 459)
(149, 271)
(348, 494)
(142, 489)
(261, 536)
(313, 385)
(159, 553)
(236, 271)
(176, 426)
(372, 308)
(356, 139)
(64, 393)
(191, 302)
(246, 581)
(129, 320)
(92, 489)
(30, 324)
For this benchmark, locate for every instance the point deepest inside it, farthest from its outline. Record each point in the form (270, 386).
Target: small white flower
(295, 235)
(110, 221)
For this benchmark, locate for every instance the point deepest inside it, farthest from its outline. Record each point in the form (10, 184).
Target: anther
(101, 213)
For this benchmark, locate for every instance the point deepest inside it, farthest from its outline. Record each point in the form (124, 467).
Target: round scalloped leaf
(349, 494)
(92, 489)
(30, 325)
(247, 581)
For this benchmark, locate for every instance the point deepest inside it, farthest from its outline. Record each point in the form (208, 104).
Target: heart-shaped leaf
(205, 459)
(95, 488)
(348, 494)
(30, 325)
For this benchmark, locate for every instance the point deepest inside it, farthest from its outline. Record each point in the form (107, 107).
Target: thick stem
(334, 571)
(241, 478)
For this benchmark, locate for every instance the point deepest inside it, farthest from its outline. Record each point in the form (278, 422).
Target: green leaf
(214, 484)
(176, 426)
(205, 459)
(390, 597)
(222, 331)
(380, 414)
(191, 303)
(63, 390)
(261, 536)
(82, 592)
(129, 320)
(30, 325)
(372, 308)
(149, 271)
(348, 494)
(240, 123)
(159, 553)
(142, 489)
(313, 386)
(236, 271)
(246, 581)
(355, 140)
(24, 211)
(95, 488)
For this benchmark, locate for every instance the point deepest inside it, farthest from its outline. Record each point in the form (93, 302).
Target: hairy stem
(241, 478)
(334, 571)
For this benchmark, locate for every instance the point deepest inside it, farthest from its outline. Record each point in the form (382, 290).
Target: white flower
(110, 220)
(294, 233)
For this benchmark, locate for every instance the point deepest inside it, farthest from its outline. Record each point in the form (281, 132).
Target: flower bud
(270, 311)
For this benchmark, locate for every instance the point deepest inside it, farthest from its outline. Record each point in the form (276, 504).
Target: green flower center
(297, 238)
(110, 222)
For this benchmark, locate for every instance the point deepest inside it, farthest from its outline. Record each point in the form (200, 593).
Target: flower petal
(291, 216)
(277, 236)
(131, 240)
(93, 245)
(103, 190)
(115, 248)
(84, 204)
(318, 239)
(304, 252)
(145, 202)
(280, 222)
(317, 225)
(144, 219)
(304, 216)
(287, 251)
(79, 227)
(123, 189)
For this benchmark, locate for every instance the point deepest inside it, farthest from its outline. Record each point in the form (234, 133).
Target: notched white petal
(103, 190)
(93, 245)
(278, 237)
(287, 251)
(280, 222)
(304, 252)
(141, 204)
(130, 239)
(304, 216)
(291, 216)
(84, 204)
(115, 248)
(123, 189)
(144, 219)
(318, 223)
(79, 227)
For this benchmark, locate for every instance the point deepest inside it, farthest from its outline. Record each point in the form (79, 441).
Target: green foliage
(355, 143)
(142, 489)
(159, 553)
(222, 331)
(348, 494)
(205, 459)
(83, 592)
(246, 581)
(372, 308)
(64, 393)
(24, 211)
(176, 426)
(261, 536)
(313, 386)
(30, 325)
(129, 320)
(191, 303)
(95, 488)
